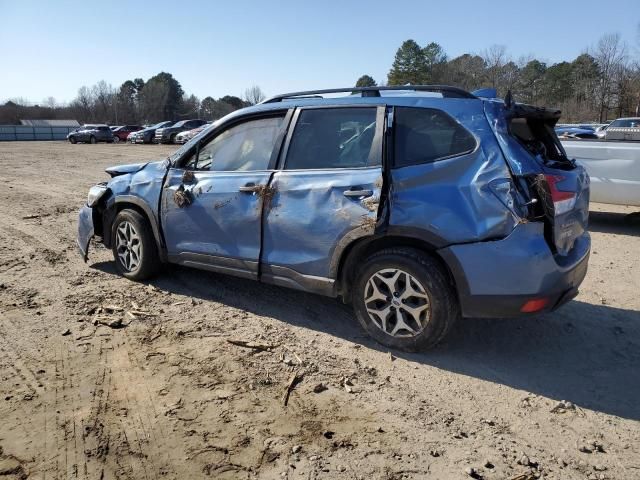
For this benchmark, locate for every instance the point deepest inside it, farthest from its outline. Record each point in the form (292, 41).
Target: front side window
(334, 138)
(244, 147)
(424, 135)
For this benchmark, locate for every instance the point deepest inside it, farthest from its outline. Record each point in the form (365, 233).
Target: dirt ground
(167, 396)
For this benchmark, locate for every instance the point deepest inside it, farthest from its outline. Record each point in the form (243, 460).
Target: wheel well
(359, 250)
(109, 215)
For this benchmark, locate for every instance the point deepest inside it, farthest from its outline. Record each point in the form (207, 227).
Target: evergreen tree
(366, 81)
(409, 66)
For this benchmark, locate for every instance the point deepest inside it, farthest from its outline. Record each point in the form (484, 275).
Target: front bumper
(85, 231)
(496, 278)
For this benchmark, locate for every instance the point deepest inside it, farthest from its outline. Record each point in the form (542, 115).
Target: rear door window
(425, 135)
(334, 138)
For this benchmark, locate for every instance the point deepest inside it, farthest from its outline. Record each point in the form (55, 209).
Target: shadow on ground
(613, 222)
(588, 354)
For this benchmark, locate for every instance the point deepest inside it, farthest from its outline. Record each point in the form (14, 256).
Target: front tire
(172, 139)
(116, 139)
(402, 298)
(93, 140)
(133, 245)
(73, 140)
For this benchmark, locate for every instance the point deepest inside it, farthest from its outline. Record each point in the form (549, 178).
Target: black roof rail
(445, 90)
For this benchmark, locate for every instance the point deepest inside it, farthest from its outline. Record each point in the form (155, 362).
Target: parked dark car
(121, 133)
(91, 134)
(147, 134)
(415, 204)
(168, 134)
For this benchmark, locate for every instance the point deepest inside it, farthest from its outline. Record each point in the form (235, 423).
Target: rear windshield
(539, 138)
(424, 135)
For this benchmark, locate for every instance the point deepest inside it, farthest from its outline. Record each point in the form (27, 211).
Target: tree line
(160, 98)
(600, 84)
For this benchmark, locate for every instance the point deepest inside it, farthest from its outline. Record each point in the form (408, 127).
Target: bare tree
(50, 102)
(254, 95)
(495, 57)
(610, 54)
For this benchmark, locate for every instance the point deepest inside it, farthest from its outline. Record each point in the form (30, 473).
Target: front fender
(119, 202)
(85, 231)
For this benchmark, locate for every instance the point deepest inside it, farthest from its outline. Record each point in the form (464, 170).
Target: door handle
(358, 193)
(250, 188)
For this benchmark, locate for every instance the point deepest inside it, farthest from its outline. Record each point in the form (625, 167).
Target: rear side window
(334, 138)
(424, 135)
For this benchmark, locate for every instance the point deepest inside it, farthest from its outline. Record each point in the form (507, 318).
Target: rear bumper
(496, 278)
(85, 231)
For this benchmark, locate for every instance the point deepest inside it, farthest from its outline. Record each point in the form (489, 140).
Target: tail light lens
(563, 201)
(534, 305)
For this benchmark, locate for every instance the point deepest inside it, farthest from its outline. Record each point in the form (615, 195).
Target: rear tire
(116, 139)
(413, 302)
(134, 248)
(93, 140)
(73, 140)
(172, 139)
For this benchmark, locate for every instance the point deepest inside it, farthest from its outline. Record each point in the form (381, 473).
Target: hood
(123, 169)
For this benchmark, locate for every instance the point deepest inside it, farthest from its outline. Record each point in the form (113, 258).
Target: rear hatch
(553, 188)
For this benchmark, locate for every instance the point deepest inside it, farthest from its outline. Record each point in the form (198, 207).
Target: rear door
(325, 195)
(213, 198)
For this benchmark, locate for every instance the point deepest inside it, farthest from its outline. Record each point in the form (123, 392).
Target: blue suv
(416, 204)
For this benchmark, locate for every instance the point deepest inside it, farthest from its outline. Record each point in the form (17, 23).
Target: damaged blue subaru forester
(416, 204)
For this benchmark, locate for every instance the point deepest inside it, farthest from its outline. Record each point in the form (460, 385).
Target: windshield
(180, 123)
(161, 124)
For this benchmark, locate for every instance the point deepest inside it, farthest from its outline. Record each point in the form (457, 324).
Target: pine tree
(409, 66)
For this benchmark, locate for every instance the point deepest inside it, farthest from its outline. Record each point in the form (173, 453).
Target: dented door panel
(214, 214)
(310, 216)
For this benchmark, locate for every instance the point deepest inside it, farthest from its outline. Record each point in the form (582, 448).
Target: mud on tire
(413, 301)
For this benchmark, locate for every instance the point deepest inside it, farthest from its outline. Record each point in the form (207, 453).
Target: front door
(212, 200)
(326, 195)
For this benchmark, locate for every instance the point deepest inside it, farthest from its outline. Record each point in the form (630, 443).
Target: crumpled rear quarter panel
(449, 201)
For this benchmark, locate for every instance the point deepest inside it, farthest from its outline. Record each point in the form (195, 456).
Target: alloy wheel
(397, 303)
(128, 246)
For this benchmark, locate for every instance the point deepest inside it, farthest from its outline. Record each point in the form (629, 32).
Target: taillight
(563, 201)
(534, 305)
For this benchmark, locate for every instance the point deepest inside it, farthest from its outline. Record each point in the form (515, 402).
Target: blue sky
(51, 48)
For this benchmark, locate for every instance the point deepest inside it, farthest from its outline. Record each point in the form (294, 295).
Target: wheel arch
(360, 249)
(114, 204)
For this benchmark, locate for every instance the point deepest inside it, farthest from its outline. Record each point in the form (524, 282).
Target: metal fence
(21, 132)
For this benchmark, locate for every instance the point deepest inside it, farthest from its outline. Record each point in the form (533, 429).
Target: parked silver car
(627, 129)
